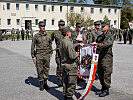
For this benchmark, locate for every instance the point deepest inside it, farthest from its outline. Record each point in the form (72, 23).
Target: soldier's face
(105, 28)
(97, 26)
(78, 28)
(69, 34)
(42, 28)
(61, 26)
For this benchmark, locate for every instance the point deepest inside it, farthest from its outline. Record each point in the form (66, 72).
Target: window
(44, 7)
(61, 8)
(52, 21)
(52, 8)
(18, 21)
(8, 21)
(36, 7)
(82, 9)
(8, 6)
(27, 6)
(0, 21)
(115, 11)
(100, 10)
(115, 21)
(92, 10)
(36, 21)
(17, 6)
(109, 11)
(72, 9)
(45, 21)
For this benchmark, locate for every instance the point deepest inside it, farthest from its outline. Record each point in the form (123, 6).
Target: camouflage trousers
(59, 68)
(69, 76)
(42, 66)
(105, 67)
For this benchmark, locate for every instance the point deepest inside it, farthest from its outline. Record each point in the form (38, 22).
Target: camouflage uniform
(130, 34)
(95, 33)
(57, 35)
(69, 67)
(42, 44)
(105, 62)
(18, 33)
(13, 34)
(27, 34)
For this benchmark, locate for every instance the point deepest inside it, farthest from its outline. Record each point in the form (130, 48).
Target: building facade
(20, 14)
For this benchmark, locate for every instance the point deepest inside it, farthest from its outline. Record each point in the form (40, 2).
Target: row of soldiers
(67, 42)
(17, 33)
(22, 34)
(126, 34)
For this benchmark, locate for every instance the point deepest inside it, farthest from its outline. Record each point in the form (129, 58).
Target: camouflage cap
(61, 22)
(104, 23)
(97, 23)
(65, 30)
(78, 24)
(41, 23)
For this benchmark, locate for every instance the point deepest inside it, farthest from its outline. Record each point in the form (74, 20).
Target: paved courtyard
(18, 77)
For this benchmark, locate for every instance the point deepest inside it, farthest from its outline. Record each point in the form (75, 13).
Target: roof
(63, 3)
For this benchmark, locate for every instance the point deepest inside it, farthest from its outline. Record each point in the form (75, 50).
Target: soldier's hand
(82, 44)
(34, 60)
(93, 43)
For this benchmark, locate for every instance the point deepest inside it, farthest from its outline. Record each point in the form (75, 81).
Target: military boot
(45, 86)
(59, 83)
(41, 85)
(104, 93)
(65, 97)
(98, 92)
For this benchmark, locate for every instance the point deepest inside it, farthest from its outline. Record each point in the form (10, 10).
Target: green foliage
(106, 18)
(76, 17)
(126, 17)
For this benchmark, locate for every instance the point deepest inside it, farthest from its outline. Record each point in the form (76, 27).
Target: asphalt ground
(18, 77)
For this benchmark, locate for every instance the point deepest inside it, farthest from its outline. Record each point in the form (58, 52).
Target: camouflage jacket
(57, 35)
(42, 44)
(75, 34)
(68, 51)
(105, 43)
(95, 34)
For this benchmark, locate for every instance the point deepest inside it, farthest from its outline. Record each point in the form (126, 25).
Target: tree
(126, 17)
(106, 18)
(73, 18)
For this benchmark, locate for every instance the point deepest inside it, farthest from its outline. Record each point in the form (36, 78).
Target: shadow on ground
(53, 91)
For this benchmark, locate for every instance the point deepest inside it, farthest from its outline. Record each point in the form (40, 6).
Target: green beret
(41, 23)
(61, 22)
(104, 23)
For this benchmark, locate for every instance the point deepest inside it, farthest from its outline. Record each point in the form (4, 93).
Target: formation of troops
(67, 43)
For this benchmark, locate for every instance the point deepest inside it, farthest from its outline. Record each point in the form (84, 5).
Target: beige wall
(32, 14)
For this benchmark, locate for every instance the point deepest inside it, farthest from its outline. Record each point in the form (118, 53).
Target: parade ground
(18, 77)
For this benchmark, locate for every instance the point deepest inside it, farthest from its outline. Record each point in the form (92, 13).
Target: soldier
(22, 33)
(79, 36)
(105, 63)
(13, 34)
(96, 31)
(130, 33)
(42, 45)
(70, 69)
(31, 33)
(125, 36)
(57, 35)
(120, 34)
(27, 34)
(18, 33)
(0, 35)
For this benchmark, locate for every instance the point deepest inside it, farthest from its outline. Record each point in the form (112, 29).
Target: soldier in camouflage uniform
(57, 35)
(130, 34)
(96, 31)
(70, 69)
(18, 33)
(27, 34)
(105, 63)
(13, 34)
(42, 44)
